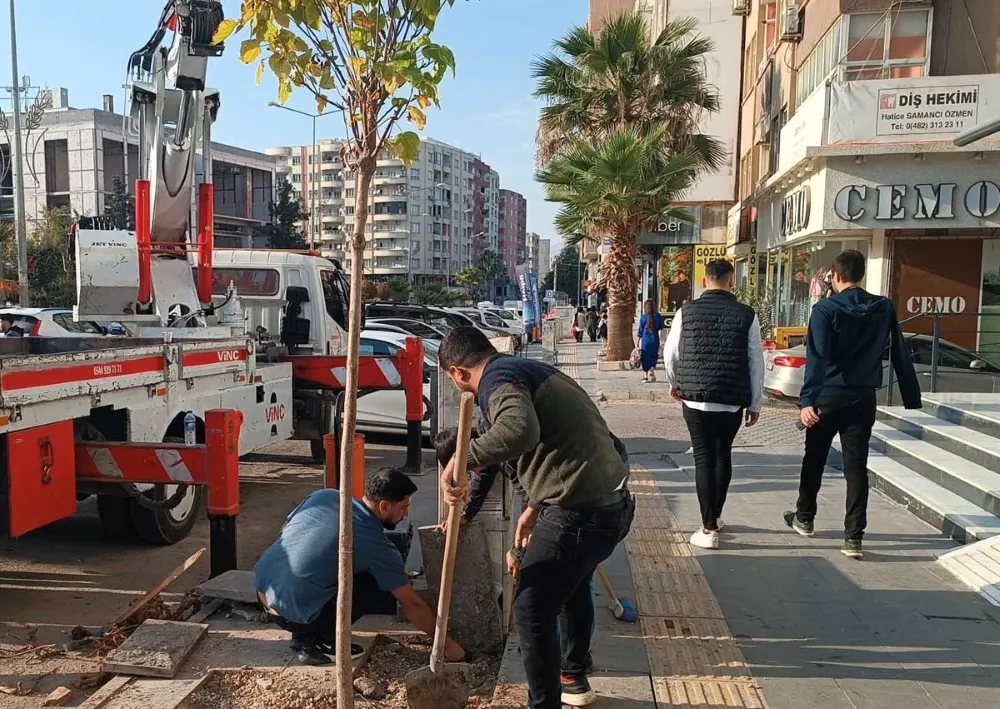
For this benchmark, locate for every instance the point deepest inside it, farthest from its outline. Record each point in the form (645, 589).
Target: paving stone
(235, 585)
(702, 694)
(677, 547)
(157, 648)
(695, 605)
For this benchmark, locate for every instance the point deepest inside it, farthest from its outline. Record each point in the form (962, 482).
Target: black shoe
(803, 528)
(588, 664)
(326, 648)
(852, 548)
(320, 653)
(576, 691)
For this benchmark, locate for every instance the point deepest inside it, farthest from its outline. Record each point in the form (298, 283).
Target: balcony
(390, 177)
(389, 194)
(895, 116)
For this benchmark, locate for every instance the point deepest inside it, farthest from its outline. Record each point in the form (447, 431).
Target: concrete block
(236, 585)
(475, 614)
(156, 694)
(58, 697)
(157, 648)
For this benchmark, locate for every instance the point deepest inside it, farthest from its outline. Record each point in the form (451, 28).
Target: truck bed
(38, 369)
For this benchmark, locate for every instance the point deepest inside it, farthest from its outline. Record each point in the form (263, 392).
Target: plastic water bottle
(190, 429)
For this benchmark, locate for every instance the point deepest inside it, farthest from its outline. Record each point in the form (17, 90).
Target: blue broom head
(629, 612)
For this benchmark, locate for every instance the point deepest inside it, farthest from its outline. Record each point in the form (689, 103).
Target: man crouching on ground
(296, 576)
(579, 506)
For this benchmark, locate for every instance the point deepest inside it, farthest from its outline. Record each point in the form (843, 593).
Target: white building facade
(426, 221)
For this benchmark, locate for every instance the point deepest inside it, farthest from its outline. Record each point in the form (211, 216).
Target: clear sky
(487, 108)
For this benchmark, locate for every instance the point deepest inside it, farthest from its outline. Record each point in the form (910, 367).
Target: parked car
(51, 322)
(959, 369)
(410, 327)
(488, 319)
(438, 318)
(385, 411)
(503, 313)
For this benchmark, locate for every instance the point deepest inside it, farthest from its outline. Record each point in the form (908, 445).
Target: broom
(623, 609)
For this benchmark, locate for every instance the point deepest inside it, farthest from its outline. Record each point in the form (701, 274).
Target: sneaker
(852, 549)
(576, 691)
(705, 539)
(803, 528)
(320, 653)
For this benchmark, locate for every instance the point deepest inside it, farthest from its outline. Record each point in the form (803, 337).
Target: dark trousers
(712, 435)
(553, 602)
(366, 599)
(579, 335)
(853, 420)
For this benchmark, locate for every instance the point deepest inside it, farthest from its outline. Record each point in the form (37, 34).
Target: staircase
(943, 464)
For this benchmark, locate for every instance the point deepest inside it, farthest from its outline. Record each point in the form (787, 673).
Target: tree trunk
(345, 569)
(621, 275)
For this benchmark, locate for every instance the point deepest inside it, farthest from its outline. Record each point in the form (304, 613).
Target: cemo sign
(928, 201)
(946, 305)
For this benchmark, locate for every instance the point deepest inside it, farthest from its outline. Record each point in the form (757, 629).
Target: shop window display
(798, 277)
(676, 273)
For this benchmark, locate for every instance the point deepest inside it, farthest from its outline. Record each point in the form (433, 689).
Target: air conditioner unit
(741, 7)
(793, 24)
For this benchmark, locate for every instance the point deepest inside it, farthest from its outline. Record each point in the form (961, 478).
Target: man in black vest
(715, 368)
(847, 338)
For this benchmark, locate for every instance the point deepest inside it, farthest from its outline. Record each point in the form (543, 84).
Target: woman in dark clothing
(648, 339)
(592, 323)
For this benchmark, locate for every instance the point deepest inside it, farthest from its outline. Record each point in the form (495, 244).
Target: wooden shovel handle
(460, 478)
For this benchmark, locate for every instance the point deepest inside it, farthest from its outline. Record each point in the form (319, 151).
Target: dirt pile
(379, 684)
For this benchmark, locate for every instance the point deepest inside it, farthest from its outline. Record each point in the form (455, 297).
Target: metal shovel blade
(446, 689)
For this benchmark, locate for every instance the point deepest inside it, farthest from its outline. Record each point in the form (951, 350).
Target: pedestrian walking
(847, 336)
(296, 577)
(592, 322)
(715, 368)
(647, 339)
(602, 327)
(579, 324)
(579, 507)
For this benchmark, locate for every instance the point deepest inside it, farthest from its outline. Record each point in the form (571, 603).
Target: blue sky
(487, 108)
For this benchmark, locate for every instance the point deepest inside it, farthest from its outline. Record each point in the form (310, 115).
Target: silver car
(959, 370)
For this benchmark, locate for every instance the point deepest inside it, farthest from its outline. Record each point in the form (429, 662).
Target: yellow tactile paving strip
(693, 658)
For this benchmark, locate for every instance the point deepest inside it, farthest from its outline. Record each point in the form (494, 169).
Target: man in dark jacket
(848, 335)
(579, 505)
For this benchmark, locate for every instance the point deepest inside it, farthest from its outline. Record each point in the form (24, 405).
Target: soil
(390, 660)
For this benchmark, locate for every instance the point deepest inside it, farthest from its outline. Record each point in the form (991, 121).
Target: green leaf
(225, 28)
(405, 146)
(249, 51)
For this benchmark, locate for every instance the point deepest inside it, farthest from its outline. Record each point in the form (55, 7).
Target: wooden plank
(157, 589)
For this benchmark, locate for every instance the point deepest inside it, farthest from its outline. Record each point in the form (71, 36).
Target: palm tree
(469, 278)
(608, 97)
(622, 185)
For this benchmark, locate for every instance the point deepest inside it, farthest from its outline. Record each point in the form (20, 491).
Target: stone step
(977, 566)
(979, 412)
(967, 443)
(960, 519)
(967, 479)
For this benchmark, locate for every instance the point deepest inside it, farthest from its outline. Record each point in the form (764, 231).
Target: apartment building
(544, 261)
(848, 116)
(72, 156)
(426, 221)
(513, 238)
(603, 10)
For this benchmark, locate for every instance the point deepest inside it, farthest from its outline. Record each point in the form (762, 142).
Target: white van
(263, 279)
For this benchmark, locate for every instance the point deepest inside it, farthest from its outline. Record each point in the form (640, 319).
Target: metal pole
(18, 176)
(935, 351)
(312, 189)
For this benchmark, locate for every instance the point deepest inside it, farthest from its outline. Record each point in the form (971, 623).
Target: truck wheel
(167, 526)
(113, 512)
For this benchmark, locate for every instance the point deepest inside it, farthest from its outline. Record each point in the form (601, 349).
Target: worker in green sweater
(579, 507)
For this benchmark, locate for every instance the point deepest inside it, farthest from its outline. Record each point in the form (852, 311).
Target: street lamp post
(313, 170)
(18, 175)
(983, 130)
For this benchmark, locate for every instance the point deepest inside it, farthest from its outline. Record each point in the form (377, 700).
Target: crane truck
(195, 347)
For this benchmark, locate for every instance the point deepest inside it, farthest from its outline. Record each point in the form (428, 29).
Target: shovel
(441, 685)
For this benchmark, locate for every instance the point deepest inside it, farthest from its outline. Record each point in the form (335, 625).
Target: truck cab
(302, 296)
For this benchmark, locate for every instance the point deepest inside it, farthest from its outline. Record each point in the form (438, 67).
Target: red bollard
(412, 372)
(330, 476)
(331, 473)
(222, 460)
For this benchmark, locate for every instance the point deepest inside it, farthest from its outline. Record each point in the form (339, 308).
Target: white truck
(224, 329)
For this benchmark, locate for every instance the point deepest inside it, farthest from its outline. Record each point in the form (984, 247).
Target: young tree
(120, 205)
(434, 294)
(491, 266)
(470, 278)
(566, 273)
(397, 290)
(51, 278)
(375, 62)
(286, 214)
(601, 87)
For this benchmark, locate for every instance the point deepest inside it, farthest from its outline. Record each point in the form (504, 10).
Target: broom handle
(606, 582)
(460, 479)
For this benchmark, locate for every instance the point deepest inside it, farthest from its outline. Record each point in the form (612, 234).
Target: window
(415, 228)
(889, 45)
(821, 62)
(65, 321)
(296, 160)
(248, 281)
(377, 348)
(414, 173)
(349, 193)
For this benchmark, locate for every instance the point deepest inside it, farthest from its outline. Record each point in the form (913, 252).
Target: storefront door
(943, 276)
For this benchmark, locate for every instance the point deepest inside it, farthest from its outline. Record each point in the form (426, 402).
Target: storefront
(929, 225)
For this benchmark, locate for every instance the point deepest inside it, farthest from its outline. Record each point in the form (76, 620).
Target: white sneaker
(705, 540)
